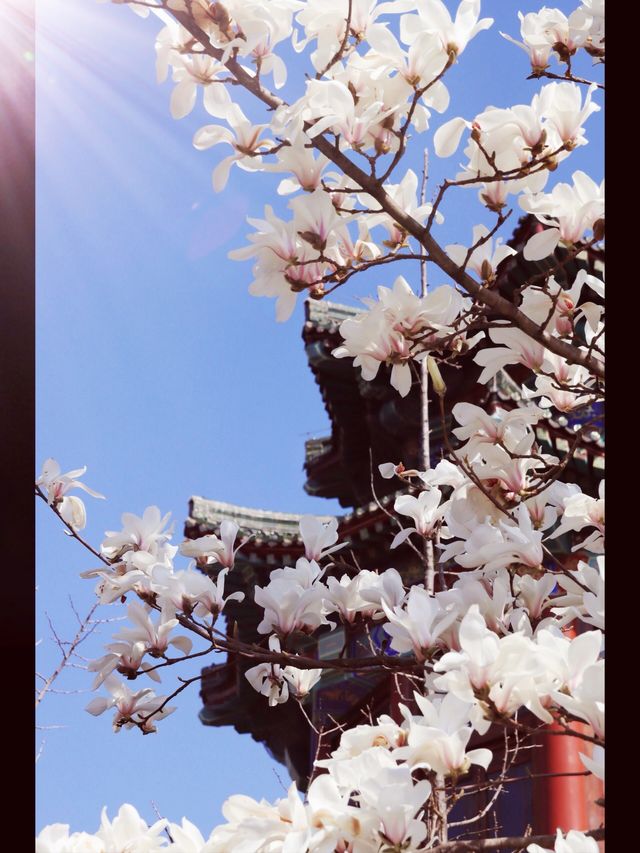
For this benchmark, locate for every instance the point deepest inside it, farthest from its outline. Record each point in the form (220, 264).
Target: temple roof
(370, 424)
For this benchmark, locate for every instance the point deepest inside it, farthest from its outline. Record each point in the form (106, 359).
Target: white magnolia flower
(573, 842)
(73, 511)
(418, 624)
(139, 709)
(425, 510)
(252, 826)
(587, 605)
(301, 681)
(244, 138)
(499, 427)
(570, 210)
(319, 537)
(191, 591)
(453, 34)
(55, 838)
(293, 600)
(147, 534)
(129, 831)
(211, 549)
(56, 484)
(398, 803)
(518, 348)
(437, 739)
(386, 332)
(595, 762)
(582, 511)
(484, 260)
(187, 838)
(268, 678)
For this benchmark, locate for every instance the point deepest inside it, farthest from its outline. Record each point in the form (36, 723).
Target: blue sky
(158, 371)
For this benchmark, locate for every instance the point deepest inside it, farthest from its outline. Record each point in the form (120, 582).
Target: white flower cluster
(520, 143)
(56, 486)
(551, 31)
(139, 560)
(127, 831)
(400, 328)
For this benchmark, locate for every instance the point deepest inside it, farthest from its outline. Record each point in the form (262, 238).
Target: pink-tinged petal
(400, 537)
(216, 100)
(438, 97)
(279, 71)
(480, 756)
(541, 245)
(98, 705)
(183, 99)
(220, 174)
(285, 303)
(184, 644)
(447, 138)
(401, 378)
(212, 134)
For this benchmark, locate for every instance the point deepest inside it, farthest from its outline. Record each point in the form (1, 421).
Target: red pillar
(559, 801)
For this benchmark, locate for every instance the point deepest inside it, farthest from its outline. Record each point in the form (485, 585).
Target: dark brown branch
(516, 842)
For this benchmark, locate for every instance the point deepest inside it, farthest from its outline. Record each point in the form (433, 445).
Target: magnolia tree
(484, 639)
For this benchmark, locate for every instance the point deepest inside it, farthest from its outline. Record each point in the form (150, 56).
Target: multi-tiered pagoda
(371, 424)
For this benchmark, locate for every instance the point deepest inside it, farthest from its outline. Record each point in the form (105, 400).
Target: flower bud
(598, 229)
(436, 377)
(486, 271)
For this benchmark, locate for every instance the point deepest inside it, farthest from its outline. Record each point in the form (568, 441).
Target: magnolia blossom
(127, 831)
(418, 624)
(191, 591)
(261, 824)
(210, 549)
(433, 16)
(385, 333)
(573, 842)
(425, 510)
(518, 348)
(584, 598)
(244, 138)
(72, 510)
(492, 595)
(438, 738)
(187, 838)
(484, 259)
(570, 211)
(292, 600)
(496, 673)
(398, 803)
(145, 536)
(582, 511)
(132, 644)
(524, 141)
(319, 536)
(499, 427)
(550, 30)
(139, 709)
(56, 486)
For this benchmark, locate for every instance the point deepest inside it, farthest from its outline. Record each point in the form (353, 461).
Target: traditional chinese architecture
(371, 424)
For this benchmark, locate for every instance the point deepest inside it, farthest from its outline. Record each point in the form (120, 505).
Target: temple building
(371, 424)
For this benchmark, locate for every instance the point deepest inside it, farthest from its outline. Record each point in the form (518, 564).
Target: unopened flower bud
(598, 229)
(486, 270)
(436, 377)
